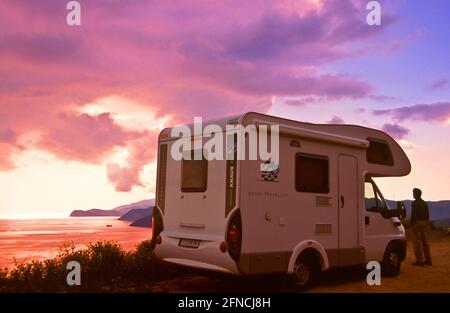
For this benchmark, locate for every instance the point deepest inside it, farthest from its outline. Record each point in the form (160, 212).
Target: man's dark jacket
(419, 211)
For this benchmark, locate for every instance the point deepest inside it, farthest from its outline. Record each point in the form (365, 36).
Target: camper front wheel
(390, 266)
(305, 271)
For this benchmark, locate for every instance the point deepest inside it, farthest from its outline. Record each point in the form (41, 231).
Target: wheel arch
(309, 245)
(399, 244)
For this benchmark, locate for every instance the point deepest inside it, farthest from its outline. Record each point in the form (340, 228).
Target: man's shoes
(418, 264)
(428, 263)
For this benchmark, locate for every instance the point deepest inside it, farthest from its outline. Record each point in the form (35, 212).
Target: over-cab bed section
(384, 156)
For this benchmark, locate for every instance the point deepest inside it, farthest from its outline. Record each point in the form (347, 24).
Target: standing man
(419, 224)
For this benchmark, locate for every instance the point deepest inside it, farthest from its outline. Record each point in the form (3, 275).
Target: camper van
(318, 208)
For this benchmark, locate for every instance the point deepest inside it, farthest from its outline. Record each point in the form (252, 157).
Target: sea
(22, 240)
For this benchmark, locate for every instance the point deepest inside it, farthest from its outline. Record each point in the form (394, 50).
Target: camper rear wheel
(390, 266)
(305, 271)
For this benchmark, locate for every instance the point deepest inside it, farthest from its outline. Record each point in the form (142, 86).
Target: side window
(311, 173)
(372, 199)
(194, 173)
(379, 152)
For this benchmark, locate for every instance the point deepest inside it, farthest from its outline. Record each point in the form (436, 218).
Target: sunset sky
(81, 106)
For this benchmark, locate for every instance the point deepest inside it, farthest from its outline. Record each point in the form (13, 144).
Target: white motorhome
(317, 210)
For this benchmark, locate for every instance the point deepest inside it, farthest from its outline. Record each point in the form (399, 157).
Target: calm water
(27, 239)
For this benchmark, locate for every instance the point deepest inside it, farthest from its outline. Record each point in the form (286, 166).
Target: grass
(105, 267)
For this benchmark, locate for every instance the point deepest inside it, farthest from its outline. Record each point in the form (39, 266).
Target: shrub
(105, 267)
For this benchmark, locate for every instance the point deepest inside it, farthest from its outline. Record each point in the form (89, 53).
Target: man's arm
(427, 212)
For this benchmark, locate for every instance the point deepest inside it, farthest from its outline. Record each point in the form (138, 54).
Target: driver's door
(378, 228)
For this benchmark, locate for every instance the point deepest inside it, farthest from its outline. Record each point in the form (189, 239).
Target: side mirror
(400, 210)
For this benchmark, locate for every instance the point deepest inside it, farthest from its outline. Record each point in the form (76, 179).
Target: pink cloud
(179, 58)
(395, 130)
(6, 153)
(435, 112)
(83, 137)
(141, 152)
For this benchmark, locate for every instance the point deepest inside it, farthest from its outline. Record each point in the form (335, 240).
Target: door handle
(367, 220)
(342, 201)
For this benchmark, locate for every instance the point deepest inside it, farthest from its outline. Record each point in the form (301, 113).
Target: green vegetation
(105, 267)
(442, 229)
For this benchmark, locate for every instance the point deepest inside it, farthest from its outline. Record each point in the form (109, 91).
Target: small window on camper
(379, 152)
(194, 173)
(311, 173)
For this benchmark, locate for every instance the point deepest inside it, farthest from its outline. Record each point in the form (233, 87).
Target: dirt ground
(411, 278)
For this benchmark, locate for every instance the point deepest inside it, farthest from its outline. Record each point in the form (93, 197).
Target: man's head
(417, 193)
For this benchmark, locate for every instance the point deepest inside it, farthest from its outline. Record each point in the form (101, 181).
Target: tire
(305, 272)
(390, 267)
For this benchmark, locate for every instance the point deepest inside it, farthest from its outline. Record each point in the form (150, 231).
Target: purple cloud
(440, 84)
(300, 101)
(395, 130)
(434, 112)
(336, 120)
(7, 135)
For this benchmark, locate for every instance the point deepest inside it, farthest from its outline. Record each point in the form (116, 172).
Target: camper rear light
(234, 236)
(153, 225)
(223, 247)
(157, 226)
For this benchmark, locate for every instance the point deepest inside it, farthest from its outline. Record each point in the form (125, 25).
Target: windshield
(374, 201)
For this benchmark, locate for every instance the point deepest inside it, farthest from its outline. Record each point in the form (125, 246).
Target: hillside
(135, 214)
(439, 210)
(94, 212)
(117, 211)
(135, 205)
(442, 222)
(145, 221)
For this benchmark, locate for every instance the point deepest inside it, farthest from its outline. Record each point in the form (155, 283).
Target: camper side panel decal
(230, 191)
(161, 186)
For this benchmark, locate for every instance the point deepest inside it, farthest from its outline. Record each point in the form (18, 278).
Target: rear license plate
(189, 243)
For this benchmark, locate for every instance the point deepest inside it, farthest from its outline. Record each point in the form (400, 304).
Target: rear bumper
(207, 256)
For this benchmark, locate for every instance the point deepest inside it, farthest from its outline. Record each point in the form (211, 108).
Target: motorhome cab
(319, 209)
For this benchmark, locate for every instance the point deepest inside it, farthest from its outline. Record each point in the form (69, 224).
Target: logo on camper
(269, 172)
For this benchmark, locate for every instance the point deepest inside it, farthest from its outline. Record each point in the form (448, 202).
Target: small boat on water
(108, 225)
